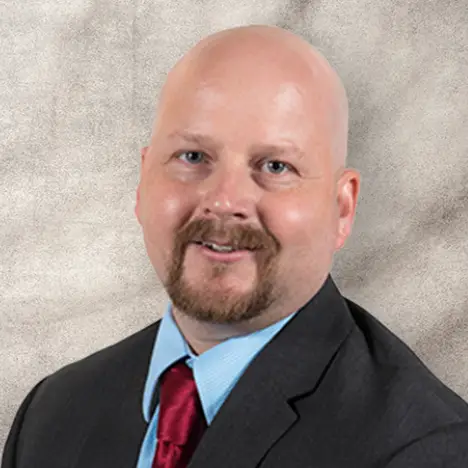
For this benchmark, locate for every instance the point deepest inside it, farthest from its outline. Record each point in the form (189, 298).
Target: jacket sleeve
(446, 447)
(9, 458)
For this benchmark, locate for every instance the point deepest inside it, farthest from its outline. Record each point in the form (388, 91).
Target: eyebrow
(207, 141)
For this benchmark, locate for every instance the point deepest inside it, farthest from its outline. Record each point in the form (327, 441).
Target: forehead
(234, 107)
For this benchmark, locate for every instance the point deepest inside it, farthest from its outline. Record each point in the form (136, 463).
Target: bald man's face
(241, 161)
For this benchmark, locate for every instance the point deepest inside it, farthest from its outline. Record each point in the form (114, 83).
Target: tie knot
(179, 374)
(180, 411)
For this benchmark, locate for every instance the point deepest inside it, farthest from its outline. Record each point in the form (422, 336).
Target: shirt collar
(169, 347)
(216, 371)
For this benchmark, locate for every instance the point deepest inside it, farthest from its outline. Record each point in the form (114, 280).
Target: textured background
(79, 80)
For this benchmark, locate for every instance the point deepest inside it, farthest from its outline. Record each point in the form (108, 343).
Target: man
(258, 361)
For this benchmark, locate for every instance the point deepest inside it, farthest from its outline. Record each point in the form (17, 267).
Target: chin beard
(220, 306)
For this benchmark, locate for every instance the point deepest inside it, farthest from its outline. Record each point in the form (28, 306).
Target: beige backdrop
(78, 86)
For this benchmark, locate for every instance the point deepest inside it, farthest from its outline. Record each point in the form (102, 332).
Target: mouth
(219, 247)
(223, 253)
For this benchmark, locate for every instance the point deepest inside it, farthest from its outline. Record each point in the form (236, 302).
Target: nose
(228, 193)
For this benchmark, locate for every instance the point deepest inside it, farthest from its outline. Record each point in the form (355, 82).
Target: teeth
(218, 248)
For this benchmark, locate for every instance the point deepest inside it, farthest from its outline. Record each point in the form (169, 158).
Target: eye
(276, 167)
(192, 157)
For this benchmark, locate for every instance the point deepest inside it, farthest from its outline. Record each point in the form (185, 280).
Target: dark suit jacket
(334, 389)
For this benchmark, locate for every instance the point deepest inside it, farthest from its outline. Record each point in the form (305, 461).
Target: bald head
(248, 149)
(262, 56)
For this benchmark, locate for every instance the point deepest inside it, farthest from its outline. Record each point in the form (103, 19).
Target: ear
(348, 191)
(143, 152)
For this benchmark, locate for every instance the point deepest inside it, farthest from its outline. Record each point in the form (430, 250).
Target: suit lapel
(257, 411)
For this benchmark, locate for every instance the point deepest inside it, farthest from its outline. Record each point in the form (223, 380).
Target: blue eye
(192, 159)
(196, 157)
(277, 166)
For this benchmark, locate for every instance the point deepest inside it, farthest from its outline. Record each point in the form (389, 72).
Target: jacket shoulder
(88, 400)
(125, 350)
(126, 359)
(414, 397)
(376, 399)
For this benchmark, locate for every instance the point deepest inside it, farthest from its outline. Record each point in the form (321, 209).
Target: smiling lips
(221, 253)
(218, 241)
(218, 247)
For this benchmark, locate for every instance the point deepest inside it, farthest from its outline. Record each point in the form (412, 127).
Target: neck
(202, 336)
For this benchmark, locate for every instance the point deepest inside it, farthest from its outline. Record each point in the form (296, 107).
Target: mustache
(239, 235)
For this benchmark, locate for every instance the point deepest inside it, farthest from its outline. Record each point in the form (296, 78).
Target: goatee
(224, 306)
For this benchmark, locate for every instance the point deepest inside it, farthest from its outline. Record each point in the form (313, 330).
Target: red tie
(181, 422)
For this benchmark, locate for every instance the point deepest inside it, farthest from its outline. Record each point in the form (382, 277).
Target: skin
(247, 90)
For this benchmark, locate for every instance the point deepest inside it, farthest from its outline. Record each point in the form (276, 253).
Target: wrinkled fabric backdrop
(79, 83)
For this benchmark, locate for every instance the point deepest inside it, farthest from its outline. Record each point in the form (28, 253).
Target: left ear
(143, 152)
(348, 192)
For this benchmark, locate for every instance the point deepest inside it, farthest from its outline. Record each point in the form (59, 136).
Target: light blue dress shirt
(216, 371)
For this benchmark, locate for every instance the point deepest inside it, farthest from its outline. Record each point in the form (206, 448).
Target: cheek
(301, 226)
(293, 224)
(303, 231)
(171, 207)
(163, 208)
